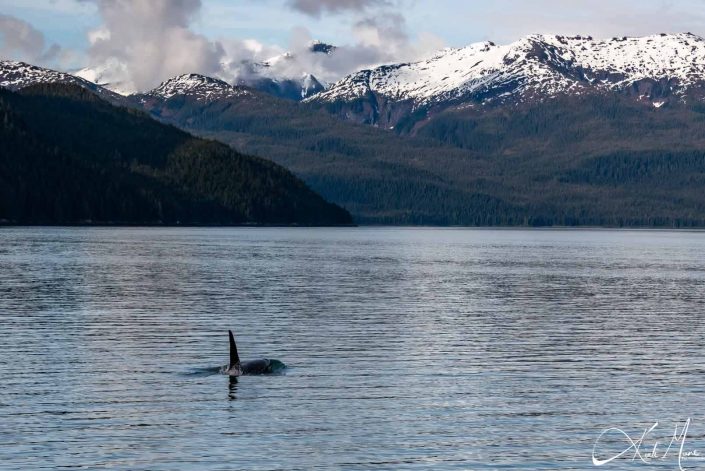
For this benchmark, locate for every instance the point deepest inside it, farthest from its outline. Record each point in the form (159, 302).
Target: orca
(262, 366)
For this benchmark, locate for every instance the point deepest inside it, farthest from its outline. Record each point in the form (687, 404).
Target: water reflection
(232, 388)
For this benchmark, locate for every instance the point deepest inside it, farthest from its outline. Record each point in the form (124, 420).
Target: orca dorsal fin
(234, 358)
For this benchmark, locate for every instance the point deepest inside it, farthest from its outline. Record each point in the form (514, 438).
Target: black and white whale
(263, 366)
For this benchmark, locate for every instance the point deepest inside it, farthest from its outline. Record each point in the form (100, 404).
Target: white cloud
(319, 7)
(20, 40)
(100, 34)
(152, 40)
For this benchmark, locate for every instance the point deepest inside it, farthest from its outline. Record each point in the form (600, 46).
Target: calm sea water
(407, 348)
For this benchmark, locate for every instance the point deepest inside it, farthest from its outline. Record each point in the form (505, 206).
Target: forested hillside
(379, 177)
(68, 157)
(598, 160)
(595, 160)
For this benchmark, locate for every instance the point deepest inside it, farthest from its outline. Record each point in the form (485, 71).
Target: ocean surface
(406, 348)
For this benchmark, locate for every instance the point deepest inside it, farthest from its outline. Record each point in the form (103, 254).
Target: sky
(141, 42)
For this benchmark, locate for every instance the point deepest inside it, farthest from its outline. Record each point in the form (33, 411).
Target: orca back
(256, 367)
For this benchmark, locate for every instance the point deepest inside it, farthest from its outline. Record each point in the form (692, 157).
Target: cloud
(387, 30)
(377, 41)
(380, 35)
(139, 44)
(319, 7)
(20, 40)
(151, 41)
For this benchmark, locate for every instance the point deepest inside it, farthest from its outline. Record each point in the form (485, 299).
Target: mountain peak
(16, 75)
(321, 47)
(199, 86)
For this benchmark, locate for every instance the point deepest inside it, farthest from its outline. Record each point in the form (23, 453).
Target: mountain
(18, 75)
(196, 86)
(281, 76)
(377, 176)
(660, 70)
(68, 157)
(323, 48)
(603, 159)
(295, 89)
(610, 157)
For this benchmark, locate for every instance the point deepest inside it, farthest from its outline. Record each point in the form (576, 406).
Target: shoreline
(356, 226)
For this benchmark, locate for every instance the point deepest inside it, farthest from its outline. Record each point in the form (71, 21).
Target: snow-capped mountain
(182, 94)
(656, 70)
(199, 87)
(659, 69)
(282, 75)
(17, 75)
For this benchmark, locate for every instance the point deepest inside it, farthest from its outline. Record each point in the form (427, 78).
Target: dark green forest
(379, 177)
(67, 157)
(594, 160)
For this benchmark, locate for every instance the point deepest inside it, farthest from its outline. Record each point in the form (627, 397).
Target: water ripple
(408, 348)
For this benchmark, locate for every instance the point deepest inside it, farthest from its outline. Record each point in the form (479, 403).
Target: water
(407, 348)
